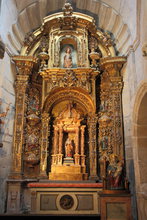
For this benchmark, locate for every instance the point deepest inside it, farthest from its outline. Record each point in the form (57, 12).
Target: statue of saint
(114, 170)
(68, 58)
(104, 143)
(68, 148)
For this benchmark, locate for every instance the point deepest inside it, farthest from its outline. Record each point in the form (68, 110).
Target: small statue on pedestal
(68, 148)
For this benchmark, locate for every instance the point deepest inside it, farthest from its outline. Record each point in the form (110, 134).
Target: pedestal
(14, 197)
(62, 198)
(66, 172)
(68, 161)
(115, 204)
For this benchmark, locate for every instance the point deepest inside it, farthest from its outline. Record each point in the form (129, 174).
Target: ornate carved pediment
(69, 116)
(68, 22)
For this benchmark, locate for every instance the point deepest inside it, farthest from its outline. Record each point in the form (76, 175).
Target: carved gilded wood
(67, 60)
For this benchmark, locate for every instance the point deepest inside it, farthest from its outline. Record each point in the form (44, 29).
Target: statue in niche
(68, 58)
(68, 148)
(104, 143)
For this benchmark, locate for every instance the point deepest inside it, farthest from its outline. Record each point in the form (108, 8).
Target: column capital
(24, 64)
(56, 128)
(21, 83)
(113, 65)
(83, 127)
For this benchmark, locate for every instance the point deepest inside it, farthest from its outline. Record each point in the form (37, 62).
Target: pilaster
(92, 122)
(44, 144)
(110, 115)
(24, 67)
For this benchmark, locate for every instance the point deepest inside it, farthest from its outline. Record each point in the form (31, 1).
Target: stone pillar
(44, 145)
(111, 92)
(24, 65)
(92, 122)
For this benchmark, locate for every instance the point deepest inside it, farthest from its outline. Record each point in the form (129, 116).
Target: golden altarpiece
(68, 119)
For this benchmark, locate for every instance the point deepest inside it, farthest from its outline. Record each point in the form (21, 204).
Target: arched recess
(140, 148)
(78, 96)
(108, 18)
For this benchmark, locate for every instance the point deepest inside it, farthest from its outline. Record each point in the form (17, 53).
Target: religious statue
(68, 148)
(114, 172)
(104, 143)
(68, 58)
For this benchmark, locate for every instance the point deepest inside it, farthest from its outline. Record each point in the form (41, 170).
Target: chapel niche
(68, 53)
(68, 132)
(68, 149)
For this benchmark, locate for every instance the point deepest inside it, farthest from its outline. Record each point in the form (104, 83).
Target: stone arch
(140, 148)
(71, 94)
(108, 18)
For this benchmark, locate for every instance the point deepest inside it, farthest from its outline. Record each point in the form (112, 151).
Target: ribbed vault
(32, 12)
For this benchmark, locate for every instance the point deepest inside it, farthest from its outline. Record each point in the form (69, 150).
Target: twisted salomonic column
(92, 122)
(24, 66)
(110, 120)
(44, 144)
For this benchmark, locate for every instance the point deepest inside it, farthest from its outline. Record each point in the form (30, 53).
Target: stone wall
(134, 79)
(7, 96)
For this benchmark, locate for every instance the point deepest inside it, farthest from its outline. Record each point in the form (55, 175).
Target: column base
(14, 197)
(43, 176)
